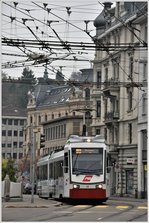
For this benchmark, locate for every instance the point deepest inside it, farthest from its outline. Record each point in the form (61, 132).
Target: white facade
(12, 137)
(117, 76)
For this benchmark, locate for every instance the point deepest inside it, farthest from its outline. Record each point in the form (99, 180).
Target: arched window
(39, 119)
(46, 117)
(52, 116)
(87, 94)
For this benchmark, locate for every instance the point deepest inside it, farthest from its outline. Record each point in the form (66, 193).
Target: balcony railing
(111, 116)
(111, 84)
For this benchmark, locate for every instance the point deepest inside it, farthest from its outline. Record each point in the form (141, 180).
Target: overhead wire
(81, 30)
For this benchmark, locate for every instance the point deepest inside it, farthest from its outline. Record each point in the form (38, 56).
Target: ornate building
(117, 94)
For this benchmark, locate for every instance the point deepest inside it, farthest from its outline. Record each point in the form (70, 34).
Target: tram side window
(51, 170)
(65, 162)
(43, 172)
(58, 169)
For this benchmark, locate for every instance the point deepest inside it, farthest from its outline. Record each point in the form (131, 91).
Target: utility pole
(33, 163)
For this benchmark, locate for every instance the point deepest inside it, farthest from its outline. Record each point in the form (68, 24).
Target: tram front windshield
(87, 161)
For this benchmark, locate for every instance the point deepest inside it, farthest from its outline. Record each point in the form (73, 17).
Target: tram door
(66, 175)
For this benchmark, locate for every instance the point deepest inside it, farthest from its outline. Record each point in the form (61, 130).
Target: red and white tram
(76, 172)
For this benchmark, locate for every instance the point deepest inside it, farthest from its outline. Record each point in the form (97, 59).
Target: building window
(4, 121)
(15, 133)
(3, 132)
(64, 130)
(52, 116)
(98, 108)
(15, 122)
(9, 133)
(144, 139)
(31, 120)
(144, 104)
(105, 133)
(131, 68)
(144, 71)
(39, 119)
(87, 94)
(129, 133)
(9, 145)
(130, 99)
(46, 118)
(116, 70)
(97, 131)
(106, 74)
(9, 121)
(21, 133)
(14, 155)
(20, 144)
(21, 122)
(3, 145)
(15, 144)
(99, 79)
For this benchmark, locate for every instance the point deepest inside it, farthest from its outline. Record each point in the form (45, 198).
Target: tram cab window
(65, 162)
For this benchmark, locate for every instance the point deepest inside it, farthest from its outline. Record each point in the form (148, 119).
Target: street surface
(55, 211)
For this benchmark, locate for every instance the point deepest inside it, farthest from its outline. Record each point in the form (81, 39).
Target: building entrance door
(129, 181)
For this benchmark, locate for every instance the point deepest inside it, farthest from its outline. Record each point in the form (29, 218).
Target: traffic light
(42, 140)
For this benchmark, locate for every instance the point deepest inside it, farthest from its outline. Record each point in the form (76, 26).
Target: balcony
(111, 85)
(96, 93)
(111, 117)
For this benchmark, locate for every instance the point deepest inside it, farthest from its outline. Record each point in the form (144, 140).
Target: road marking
(123, 207)
(82, 206)
(99, 219)
(99, 206)
(142, 207)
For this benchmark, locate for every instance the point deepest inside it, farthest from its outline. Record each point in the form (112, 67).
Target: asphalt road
(53, 211)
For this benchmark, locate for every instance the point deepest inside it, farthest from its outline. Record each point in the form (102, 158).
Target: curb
(26, 206)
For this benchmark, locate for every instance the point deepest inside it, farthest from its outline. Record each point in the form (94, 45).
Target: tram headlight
(76, 186)
(99, 186)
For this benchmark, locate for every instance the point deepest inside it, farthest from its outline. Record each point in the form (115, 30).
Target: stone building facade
(58, 111)
(117, 91)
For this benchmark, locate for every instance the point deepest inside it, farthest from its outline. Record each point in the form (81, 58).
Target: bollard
(7, 188)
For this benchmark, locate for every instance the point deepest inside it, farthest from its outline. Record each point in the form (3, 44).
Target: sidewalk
(28, 202)
(128, 199)
(42, 203)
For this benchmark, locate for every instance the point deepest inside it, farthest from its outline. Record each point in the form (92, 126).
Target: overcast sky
(27, 20)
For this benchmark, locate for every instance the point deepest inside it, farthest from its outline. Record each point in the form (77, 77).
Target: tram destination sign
(87, 150)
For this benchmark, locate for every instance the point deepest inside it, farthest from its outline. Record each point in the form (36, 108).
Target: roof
(56, 96)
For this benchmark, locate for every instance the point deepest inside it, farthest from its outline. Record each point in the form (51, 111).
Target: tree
(75, 76)
(8, 168)
(4, 76)
(28, 74)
